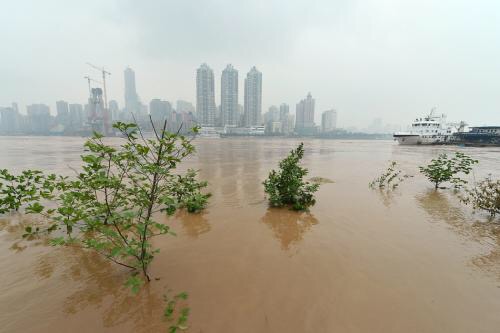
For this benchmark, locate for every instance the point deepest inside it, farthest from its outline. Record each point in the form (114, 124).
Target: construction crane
(88, 78)
(104, 73)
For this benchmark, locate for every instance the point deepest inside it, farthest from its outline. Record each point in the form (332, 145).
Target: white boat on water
(429, 130)
(208, 132)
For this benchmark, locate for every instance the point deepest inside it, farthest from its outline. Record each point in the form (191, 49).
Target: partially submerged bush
(188, 191)
(287, 187)
(390, 178)
(15, 191)
(445, 169)
(112, 204)
(484, 196)
(321, 180)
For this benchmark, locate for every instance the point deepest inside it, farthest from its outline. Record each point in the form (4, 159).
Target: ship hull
(478, 139)
(417, 139)
(407, 139)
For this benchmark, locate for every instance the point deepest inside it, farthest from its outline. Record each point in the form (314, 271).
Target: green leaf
(34, 208)
(134, 283)
(57, 241)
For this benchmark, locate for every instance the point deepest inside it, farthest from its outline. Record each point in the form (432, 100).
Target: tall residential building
(304, 113)
(132, 103)
(160, 111)
(272, 114)
(272, 122)
(9, 120)
(229, 96)
(39, 118)
(62, 110)
(328, 121)
(114, 110)
(284, 117)
(284, 111)
(205, 96)
(76, 116)
(253, 98)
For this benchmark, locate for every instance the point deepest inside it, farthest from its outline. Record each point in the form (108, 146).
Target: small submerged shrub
(188, 191)
(485, 195)
(390, 178)
(321, 180)
(180, 317)
(445, 169)
(286, 186)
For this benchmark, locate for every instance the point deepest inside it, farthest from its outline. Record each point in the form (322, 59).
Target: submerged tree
(390, 178)
(187, 191)
(287, 187)
(115, 204)
(445, 169)
(484, 196)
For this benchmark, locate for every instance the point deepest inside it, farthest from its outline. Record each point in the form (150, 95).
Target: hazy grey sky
(393, 59)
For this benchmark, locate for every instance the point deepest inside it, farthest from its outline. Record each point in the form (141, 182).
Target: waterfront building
(62, 110)
(114, 110)
(328, 121)
(284, 111)
(304, 116)
(132, 101)
(205, 96)
(229, 96)
(76, 117)
(289, 125)
(271, 120)
(253, 98)
(9, 120)
(284, 118)
(39, 119)
(159, 110)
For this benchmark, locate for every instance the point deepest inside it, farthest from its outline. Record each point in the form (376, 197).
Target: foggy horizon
(388, 59)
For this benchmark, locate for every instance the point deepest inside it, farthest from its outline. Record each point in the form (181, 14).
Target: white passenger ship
(430, 130)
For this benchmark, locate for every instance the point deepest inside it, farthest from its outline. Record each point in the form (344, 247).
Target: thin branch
(154, 127)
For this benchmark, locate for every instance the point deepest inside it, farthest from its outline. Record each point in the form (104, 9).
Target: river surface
(414, 260)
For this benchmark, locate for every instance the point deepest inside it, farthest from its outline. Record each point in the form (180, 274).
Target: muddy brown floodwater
(415, 260)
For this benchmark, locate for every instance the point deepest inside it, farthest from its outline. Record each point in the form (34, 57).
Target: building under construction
(99, 119)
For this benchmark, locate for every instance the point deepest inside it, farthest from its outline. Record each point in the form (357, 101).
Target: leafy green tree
(445, 169)
(287, 187)
(115, 203)
(484, 196)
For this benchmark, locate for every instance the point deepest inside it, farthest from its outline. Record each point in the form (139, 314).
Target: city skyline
(394, 60)
(134, 109)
